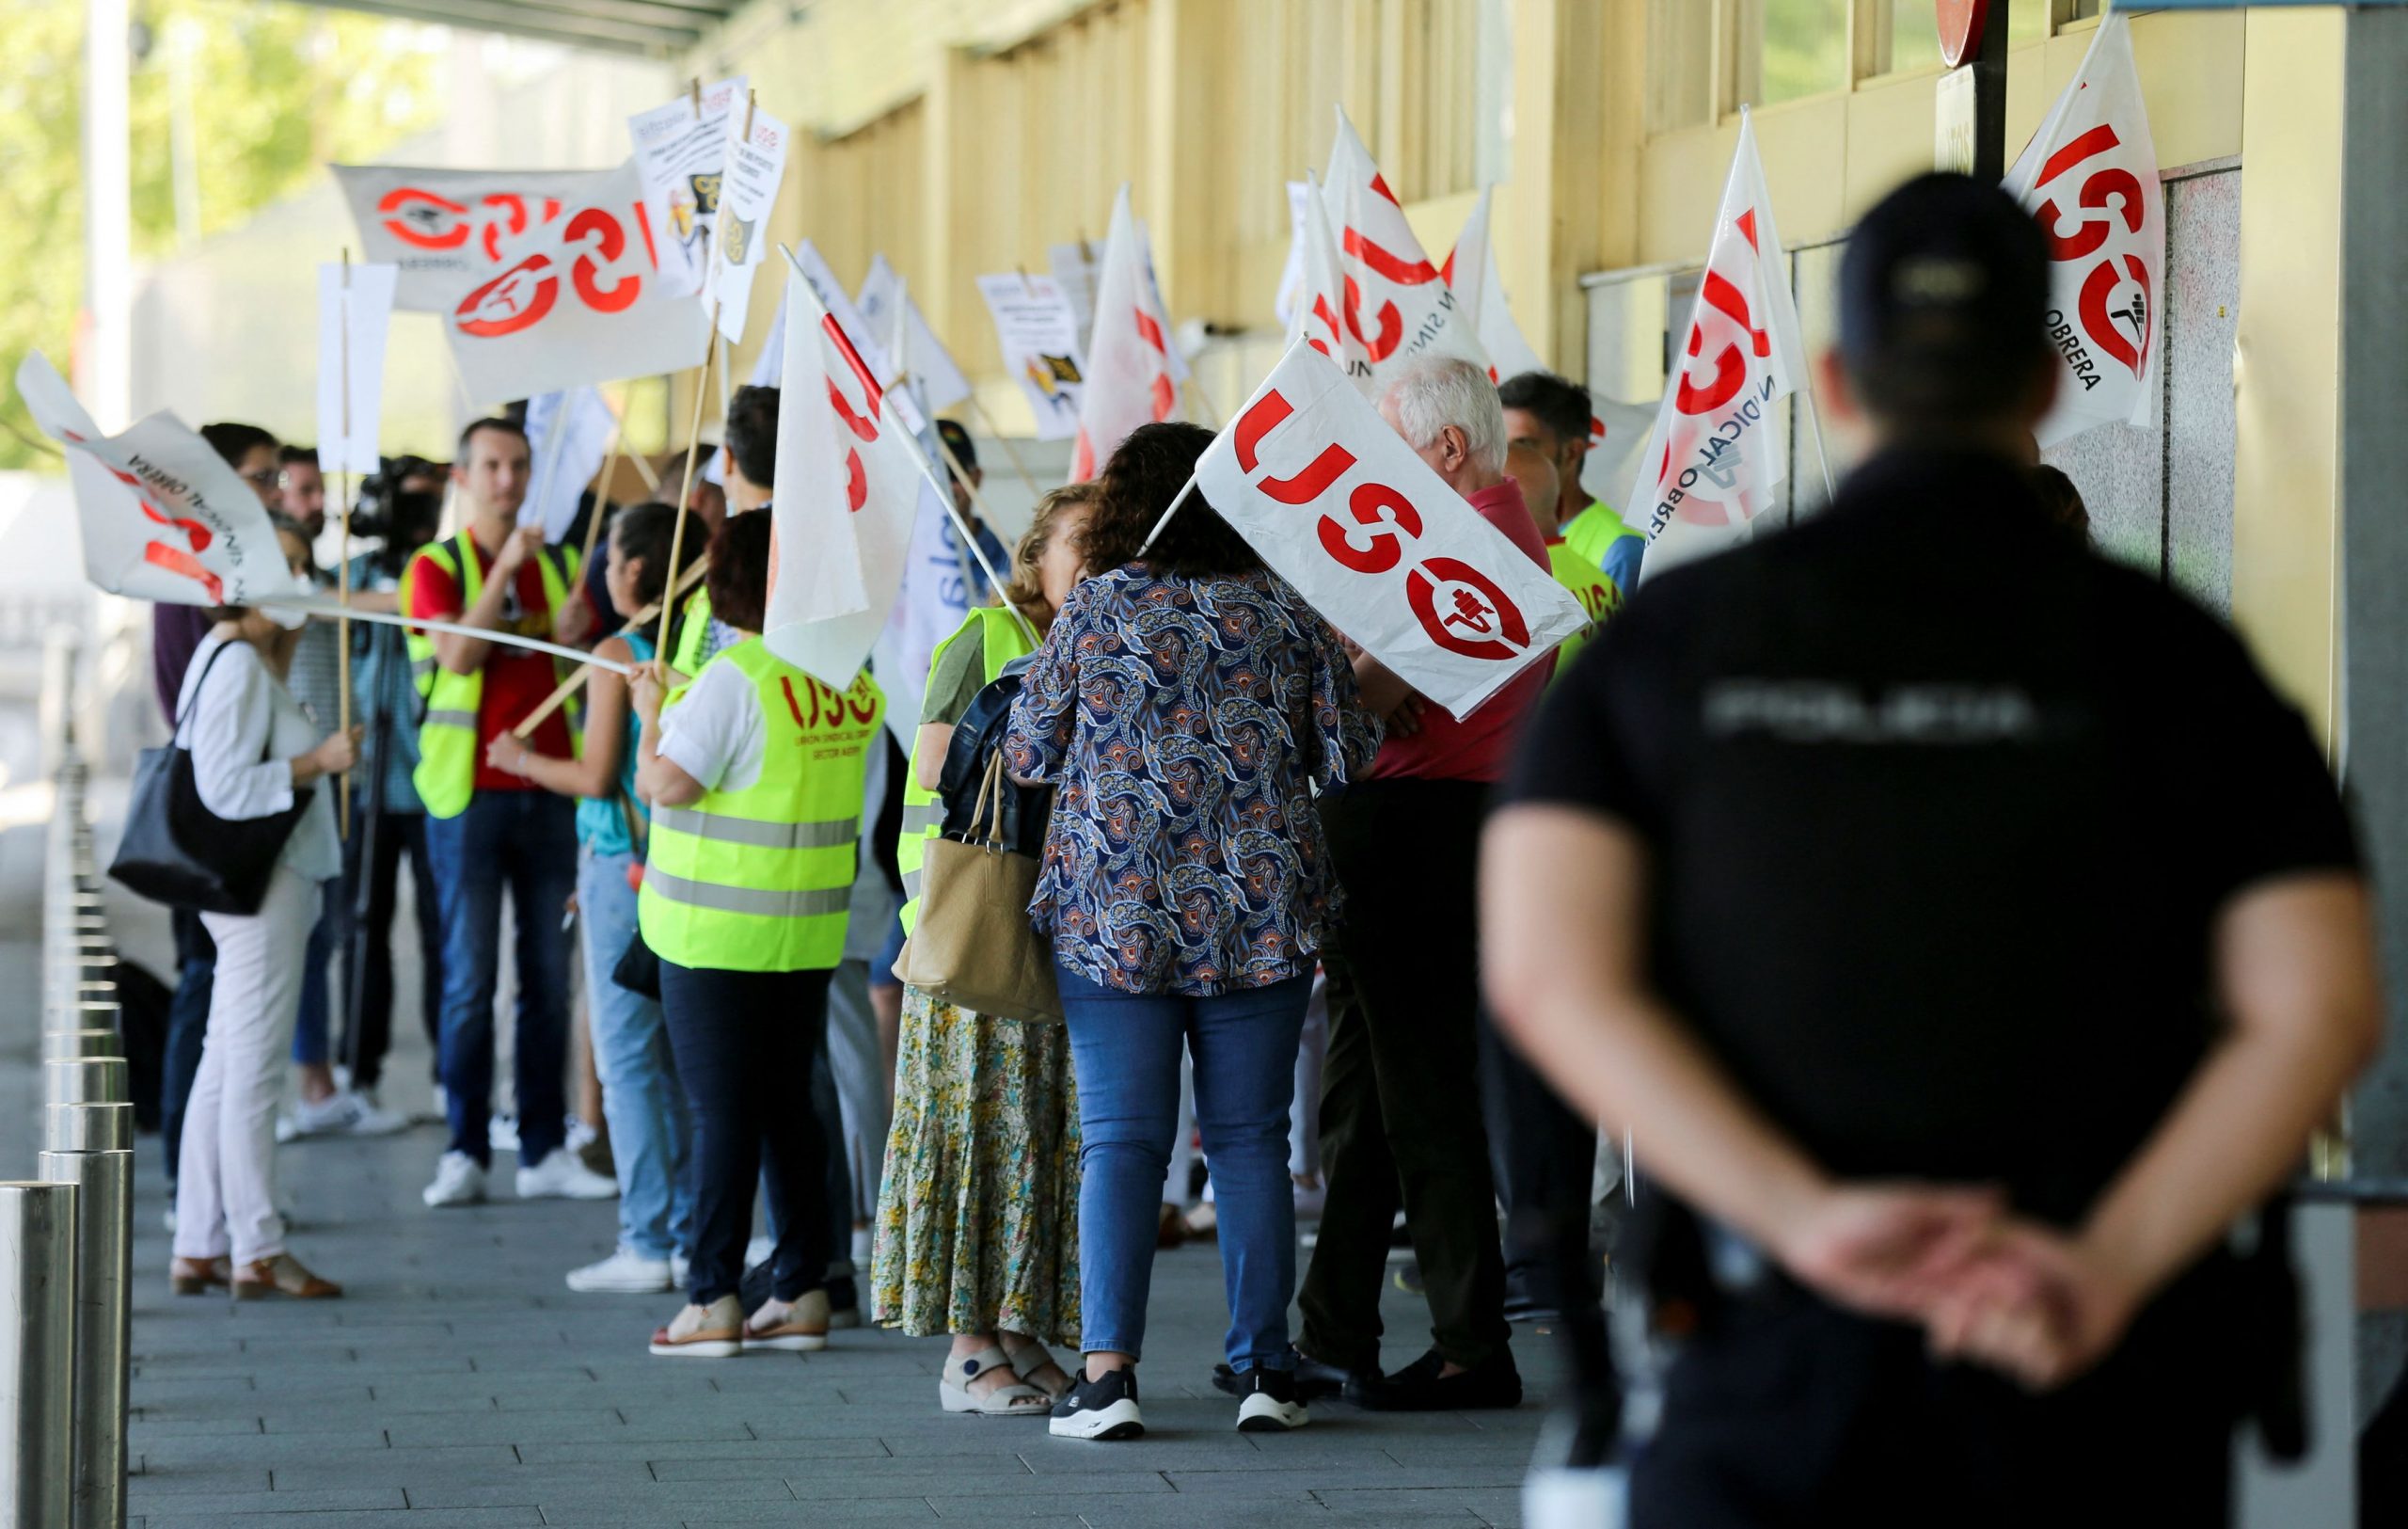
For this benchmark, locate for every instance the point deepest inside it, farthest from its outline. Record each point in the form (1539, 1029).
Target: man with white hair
(1400, 1113)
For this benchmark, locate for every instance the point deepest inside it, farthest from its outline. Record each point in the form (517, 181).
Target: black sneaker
(1314, 1379)
(1104, 1408)
(1268, 1402)
(1419, 1387)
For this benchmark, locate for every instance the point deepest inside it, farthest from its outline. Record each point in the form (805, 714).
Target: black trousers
(370, 947)
(1784, 1412)
(1544, 1158)
(744, 1044)
(1400, 1105)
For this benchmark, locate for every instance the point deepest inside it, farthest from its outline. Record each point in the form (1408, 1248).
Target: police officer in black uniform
(1968, 937)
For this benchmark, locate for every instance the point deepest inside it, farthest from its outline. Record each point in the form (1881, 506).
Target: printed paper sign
(1393, 308)
(355, 305)
(1716, 461)
(1037, 334)
(1340, 507)
(756, 162)
(447, 229)
(938, 380)
(681, 152)
(1130, 378)
(161, 516)
(1074, 266)
(578, 302)
(2090, 178)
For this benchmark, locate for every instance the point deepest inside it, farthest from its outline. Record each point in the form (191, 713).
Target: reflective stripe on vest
(1001, 640)
(448, 745)
(761, 879)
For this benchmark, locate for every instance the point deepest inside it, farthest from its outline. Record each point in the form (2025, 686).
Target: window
(1784, 50)
(1913, 37)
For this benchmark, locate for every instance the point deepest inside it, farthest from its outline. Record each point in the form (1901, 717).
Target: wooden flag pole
(602, 491)
(685, 484)
(342, 559)
(575, 682)
(1005, 442)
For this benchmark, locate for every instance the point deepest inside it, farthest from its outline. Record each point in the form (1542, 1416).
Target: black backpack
(978, 735)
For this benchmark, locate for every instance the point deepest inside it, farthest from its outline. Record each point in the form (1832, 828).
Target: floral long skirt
(979, 1213)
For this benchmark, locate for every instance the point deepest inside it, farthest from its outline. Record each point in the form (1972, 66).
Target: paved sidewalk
(460, 1383)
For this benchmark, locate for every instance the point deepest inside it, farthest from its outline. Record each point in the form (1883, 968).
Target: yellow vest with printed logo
(447, 743)
(693, 632)
(761, 879)
(1002, 639)
(1596, 594)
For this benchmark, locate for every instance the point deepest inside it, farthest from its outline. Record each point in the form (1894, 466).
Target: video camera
(404, 519)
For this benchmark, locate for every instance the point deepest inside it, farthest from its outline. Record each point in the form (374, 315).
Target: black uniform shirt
(1941, 809)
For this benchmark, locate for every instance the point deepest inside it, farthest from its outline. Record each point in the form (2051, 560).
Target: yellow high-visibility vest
(1596, 594)
(447, 743)
(761, 879)
(1000, 638)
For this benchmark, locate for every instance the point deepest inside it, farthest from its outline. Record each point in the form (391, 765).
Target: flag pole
(1005, 441)
(1195, 384)
(1822, 455)
(342, 560)
(584, 672)
(1177, 499)
(685, 485)
(602, 489)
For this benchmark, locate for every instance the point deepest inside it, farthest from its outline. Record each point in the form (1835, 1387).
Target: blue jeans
(310, 1044)
(1125, 1047)
(525, 841)
(649, 1126)
(187, 1023)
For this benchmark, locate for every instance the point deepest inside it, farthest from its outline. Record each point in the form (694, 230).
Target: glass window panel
(2027, 20)
(1800, 49)
(1914, 38)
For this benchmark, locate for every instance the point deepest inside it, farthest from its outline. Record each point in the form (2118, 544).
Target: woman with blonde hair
(978, 1215)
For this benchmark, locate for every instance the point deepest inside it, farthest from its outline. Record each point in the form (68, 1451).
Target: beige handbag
(971, 946)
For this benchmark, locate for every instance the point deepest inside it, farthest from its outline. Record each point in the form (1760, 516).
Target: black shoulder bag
(176, 851)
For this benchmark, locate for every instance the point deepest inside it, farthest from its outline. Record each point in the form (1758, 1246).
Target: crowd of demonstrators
(757, 799)
(978, 1230)
(1952, 1166)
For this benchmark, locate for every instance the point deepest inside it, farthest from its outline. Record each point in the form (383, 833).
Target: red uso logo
(863, 424)
(522, 296)
(2109, 195)
(1461, 608)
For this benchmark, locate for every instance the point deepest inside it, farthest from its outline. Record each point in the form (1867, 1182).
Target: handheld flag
(2089, 176)
(1715, 461)
(1394, 306)
(572, 432)
(934, 371)
(161, 516)
(1129, 377)
(1470, 272)
(355, 304)
(1340, 507)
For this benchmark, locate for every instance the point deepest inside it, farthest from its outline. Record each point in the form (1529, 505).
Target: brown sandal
(281, 1275)
(197, 1276)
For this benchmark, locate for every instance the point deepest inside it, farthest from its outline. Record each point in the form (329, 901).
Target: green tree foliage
(269, 91)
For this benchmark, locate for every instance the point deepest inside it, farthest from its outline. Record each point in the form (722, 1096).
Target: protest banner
(161, 514)
(355, 306)
(1392, 303)
(1129, 380)
(1036, 333)
(757, 162)
(1340, 507)
(681, 153)
(2090, 178)
(578, 300)
(448, 231)
(1717, 459)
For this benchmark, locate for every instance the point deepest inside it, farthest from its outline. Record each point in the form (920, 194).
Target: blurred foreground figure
(1873, 876)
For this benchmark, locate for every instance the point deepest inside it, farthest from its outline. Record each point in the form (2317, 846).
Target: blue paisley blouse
(1185, 724)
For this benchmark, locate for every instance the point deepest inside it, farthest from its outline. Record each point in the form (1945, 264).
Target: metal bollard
(68, 1045)
(88, 1128)
(103, 1268)
(36, 1369)
(85, 1080)
(87, 1014)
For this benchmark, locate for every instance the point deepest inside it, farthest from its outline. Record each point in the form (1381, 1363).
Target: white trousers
(226, 1191)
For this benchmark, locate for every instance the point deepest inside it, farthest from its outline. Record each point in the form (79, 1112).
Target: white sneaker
(560, 1176)
(458, 1181)
(625, 1272)
(501, 1133)
(864, 1248)
(580, 1135)
(342, 1113)
(757, 1252)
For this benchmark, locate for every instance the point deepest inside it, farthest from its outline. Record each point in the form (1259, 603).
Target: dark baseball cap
(957, 438)
(1944, 298)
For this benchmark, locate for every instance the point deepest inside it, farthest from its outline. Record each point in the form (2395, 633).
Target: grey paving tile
(562, 1497)
(245, 1448)
(707, 1449)
(142, 1481)
(471, 1518)
(408, 1468)
(816, 1515)
(284, 1502)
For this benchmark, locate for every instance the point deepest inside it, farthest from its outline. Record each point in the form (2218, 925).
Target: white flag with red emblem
(1340, 507)
(1471, 271)
(578, 299)
(1129, 380)
(1393, 304)
(848, 487)
(161, 514)
(1315, 314)
(2090, 178)
(1716, 460)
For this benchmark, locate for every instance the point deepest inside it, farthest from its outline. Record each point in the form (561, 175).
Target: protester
(176, 633)
(253, 749)
(301, 490)
(754, 773)
(748, 462)
(1400, 1121)
(1533, 472)
(1551, 415)
(1786, 889)
(1187, 703)
(491, 830)
(2062, 502)
(650, 1128)
(986, 1131)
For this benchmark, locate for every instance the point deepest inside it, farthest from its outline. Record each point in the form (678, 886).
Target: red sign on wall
(1960, 29)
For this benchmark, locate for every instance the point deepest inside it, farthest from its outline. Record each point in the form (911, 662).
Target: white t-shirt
(243, 728)
(715, 731)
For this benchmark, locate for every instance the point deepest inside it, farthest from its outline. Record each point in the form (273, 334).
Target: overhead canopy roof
(651, 28)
